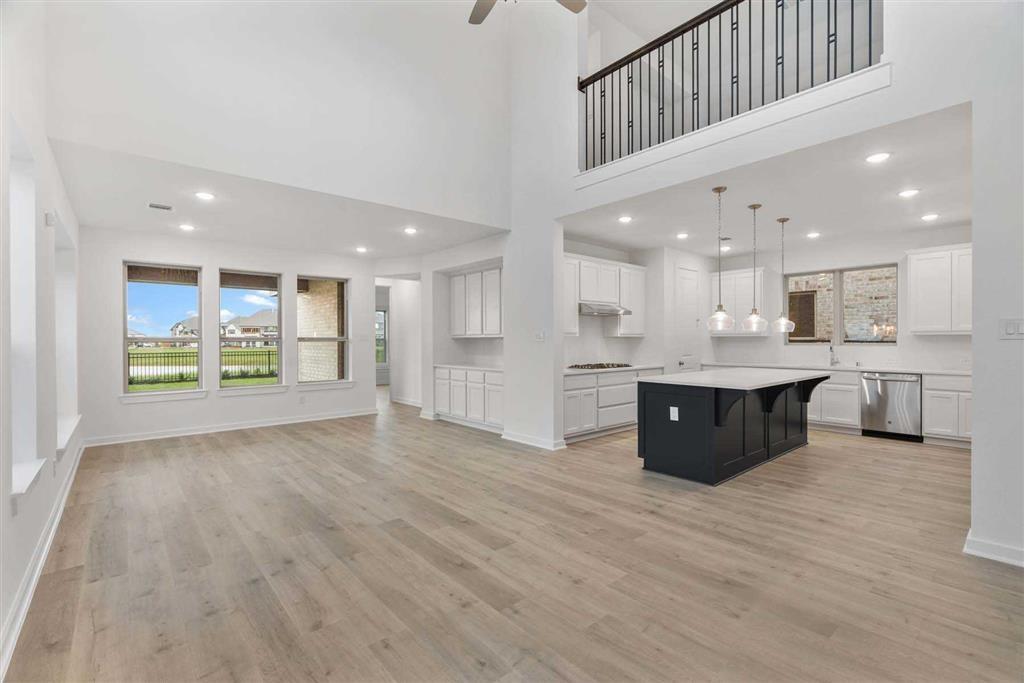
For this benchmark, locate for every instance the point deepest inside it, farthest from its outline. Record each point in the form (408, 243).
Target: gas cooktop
(599, 366)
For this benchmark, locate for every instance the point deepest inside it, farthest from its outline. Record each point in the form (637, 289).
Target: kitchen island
(712, 425)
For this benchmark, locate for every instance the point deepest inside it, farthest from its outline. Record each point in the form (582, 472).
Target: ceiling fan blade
(480, 11)
(574, 6)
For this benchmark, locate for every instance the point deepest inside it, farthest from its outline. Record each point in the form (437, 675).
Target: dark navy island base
(690, 429)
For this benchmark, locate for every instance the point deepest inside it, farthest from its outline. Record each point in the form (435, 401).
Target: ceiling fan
(483, 7)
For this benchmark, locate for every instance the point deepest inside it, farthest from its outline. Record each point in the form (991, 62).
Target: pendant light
(782, 324)
(755, 322)
(720, 320)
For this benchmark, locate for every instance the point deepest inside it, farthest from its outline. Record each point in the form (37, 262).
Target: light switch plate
(673, 413)
(1011, 328)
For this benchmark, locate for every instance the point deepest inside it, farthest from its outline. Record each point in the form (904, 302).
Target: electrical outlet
(673, 413)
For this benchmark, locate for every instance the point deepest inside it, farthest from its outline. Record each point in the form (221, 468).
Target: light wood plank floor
(392, 548)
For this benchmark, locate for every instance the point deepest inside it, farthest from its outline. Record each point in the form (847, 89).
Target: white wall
(406, 340)
(401, 102)
(937, 55)
(107, 418)
(28, 521)
(911, 351)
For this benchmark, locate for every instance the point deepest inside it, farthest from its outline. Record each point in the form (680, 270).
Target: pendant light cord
(719, 249)
(755, 260)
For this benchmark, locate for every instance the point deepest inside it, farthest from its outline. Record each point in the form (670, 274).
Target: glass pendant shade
(720, 321)
(783, 325)
(755, 322)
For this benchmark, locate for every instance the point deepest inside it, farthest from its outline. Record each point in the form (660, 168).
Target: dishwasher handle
(886, 377)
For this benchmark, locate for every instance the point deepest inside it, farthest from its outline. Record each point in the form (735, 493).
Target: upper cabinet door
(608, 283)
(930, 292)
(743, 295)
(961, 264)
(632, 284)
(589, 274)
(474, 304)
(571, 296)
(458, 305)
(492, 301)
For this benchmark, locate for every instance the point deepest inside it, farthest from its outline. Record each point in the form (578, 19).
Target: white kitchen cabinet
(475, 401)
(492, 302)
(599, 282)
(442, 396)
(571, 296)
(580, 410)
(494, 409)
(738, 289)
(961, 265)
(458, 405)
(457, 285)
(474, 304)
(939, 284)
(840, 404)
(814, 406)
(632, 296)
(940, 413)
(964, 408)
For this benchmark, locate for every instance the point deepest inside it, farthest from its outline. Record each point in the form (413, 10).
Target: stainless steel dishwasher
(890, 405)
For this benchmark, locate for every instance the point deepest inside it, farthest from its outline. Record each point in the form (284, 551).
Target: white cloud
(226, 315)
(138, 318)
(267, 292)
(191, 313)
(256, 300)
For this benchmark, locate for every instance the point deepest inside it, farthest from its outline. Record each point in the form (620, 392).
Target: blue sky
(154, 308)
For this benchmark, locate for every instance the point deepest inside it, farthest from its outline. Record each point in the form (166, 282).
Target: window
(811, 306)
(380, 332)
(869, 305)
(322, 312)
(250, 329)
(162, 328)
(859, 302)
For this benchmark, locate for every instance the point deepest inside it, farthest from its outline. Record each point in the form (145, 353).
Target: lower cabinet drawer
(613, 396)
(616, 415)
(441, 373)
(476, 376)
(494, 378)
(459, 375)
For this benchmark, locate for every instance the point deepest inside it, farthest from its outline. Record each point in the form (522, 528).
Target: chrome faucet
(833, 359)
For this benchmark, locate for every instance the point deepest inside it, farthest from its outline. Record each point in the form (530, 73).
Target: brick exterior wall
(824, 312)
(319, 311)
(869, 304)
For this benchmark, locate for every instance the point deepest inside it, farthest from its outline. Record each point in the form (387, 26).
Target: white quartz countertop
(842, 368)
(743, 379)
(634, 368)
(463, 366)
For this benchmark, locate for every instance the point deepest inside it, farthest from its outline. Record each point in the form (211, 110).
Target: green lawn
(163, 386)
(247, 381)
(227, 355)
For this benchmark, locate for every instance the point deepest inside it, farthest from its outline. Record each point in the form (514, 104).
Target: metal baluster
(719, 67)
(852, 43)
(620, 112)
(798, 45)
(586, 131)
(629, 107)
(762, 53)
(734, 58)
(812, 43)
(661, 94)
(650, 90)
(750, 54)
(673, 88)
(870, 28)
(780, 33)
(640, 100)
(602, 122)
(694, 77)
(708, 84)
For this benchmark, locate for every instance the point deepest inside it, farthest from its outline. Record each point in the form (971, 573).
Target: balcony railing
(735, 57)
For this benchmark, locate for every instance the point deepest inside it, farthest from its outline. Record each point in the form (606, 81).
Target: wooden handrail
(657, 42)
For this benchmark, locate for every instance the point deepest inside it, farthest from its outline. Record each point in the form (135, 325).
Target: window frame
(124, 327)
(347, 338)
(838, 318)
(221, 338)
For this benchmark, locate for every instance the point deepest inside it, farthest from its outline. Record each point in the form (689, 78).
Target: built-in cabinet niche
(939, 288)
(598, 281)
(738, 288)
(476, 304)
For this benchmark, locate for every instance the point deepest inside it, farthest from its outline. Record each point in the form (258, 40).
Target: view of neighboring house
(189, 327)
(251, 328)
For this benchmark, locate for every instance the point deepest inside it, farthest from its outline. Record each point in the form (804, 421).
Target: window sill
(323, 386)
(253, 391)
(24, 475)
(162, 396)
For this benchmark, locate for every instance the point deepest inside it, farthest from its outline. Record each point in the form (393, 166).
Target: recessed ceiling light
(410, 230)
(907, 194)
(361, 250)
(878, 158)
(813, 235)
(681, 236)
(186, 227)
(930, 217)
(725, 248)
(625, 219)
(205, 196)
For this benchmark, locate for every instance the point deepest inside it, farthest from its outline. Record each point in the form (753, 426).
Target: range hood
(603, 309)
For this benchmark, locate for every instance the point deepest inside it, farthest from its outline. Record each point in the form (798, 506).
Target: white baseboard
(536, 442)
(952, 443)
(407, 401)
(23, 598)
(993, 551)
(472, 424)
(226, 427)
(838, 429)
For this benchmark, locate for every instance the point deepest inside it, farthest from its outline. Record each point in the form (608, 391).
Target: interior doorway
(382, 338)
